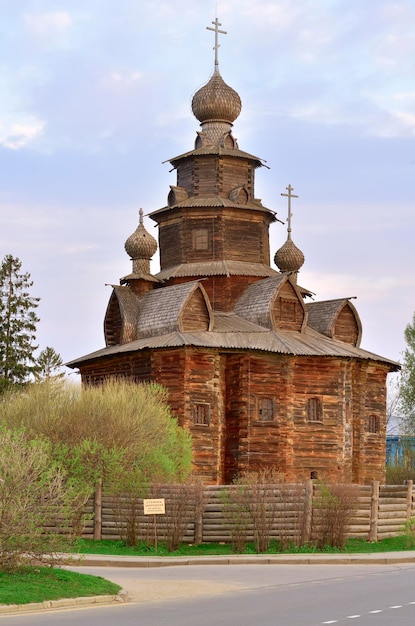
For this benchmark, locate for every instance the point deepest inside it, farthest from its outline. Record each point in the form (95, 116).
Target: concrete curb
(380, 558)
(63, 603)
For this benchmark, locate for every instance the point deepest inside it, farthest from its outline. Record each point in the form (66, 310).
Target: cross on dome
(289, 195)
(216, 30)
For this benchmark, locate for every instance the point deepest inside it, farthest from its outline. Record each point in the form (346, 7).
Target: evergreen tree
(49, 363)
(18, 321)
(407, 387)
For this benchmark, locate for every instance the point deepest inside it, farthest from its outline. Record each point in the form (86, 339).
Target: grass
(118, 548)
(30, 584)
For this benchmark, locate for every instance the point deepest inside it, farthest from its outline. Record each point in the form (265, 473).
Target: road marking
(353, 616)
(332, 621)
(377, 611)
(397, 606)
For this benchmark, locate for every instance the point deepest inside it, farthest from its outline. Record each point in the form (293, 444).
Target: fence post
(198, 526)
(98, 511)
(308, 512)
(374, 511)
(409, 484)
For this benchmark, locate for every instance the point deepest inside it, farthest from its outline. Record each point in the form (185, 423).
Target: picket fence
(381, 511)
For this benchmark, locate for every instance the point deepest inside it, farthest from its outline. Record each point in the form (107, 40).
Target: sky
(96, 96)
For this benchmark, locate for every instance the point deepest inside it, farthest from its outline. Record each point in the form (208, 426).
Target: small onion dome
(140, 245)
(289, 258)
(216, 101)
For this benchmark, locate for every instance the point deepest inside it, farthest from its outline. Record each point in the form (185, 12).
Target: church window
(201, 239)
(373, 424)
(314, 410)
(288, 310)
(266, 409)
(201, 414)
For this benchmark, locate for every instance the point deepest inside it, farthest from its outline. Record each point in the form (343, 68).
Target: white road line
(397, 606)
(377, 611)
(353, 616)
(332, 621)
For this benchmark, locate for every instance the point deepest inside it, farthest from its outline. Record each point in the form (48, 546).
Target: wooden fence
(380, 511)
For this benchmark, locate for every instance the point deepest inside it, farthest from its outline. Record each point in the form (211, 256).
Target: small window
(314, 410)
(201, 239)
(348, 412)
(373, 424)
(288, 310)
(266, 409)
(201, 414)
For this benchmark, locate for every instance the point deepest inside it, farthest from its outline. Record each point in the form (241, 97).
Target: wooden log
(373, 529)
(98, 511)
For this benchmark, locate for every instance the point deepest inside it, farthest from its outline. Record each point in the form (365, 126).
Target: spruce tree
(18, 321)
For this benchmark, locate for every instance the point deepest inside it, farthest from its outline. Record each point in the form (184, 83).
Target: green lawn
(88, 546)
(32, 584)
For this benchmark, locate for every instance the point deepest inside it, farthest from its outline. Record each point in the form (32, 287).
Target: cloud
(17, 135)
(48, 27)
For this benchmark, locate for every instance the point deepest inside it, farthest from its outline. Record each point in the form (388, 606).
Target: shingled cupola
(141, 247)
(289, 259)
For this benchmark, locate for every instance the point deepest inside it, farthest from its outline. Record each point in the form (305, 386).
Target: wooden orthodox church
(258, 375)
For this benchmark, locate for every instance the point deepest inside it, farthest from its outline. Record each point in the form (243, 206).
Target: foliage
(236, 514)
(407, 386)
(120, 433)
(184, 504)
(335, 505)
(408, 533)
(49, 363)
(29, 584)
(353, 545)
(403, 467)
(18, 321)
(34, 493)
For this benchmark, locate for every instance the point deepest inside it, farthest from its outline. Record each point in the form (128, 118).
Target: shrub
(34, 495)
(334, 507)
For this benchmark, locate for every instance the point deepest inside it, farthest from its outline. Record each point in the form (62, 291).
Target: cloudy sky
(96, 95)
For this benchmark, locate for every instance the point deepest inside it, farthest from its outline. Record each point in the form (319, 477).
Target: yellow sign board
(154, 506)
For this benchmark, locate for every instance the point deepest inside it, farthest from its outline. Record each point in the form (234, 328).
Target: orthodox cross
(289, 195)
(216, 30)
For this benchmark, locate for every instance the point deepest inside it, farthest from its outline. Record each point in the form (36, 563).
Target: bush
(34, 495)
(334, 507)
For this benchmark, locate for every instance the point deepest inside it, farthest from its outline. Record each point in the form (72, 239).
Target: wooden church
(259, 375)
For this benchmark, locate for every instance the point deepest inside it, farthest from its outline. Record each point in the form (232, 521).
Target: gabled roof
(322, 316)
(161, 309)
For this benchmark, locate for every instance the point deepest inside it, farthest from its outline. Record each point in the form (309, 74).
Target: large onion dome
(289, 258)
(216, 101)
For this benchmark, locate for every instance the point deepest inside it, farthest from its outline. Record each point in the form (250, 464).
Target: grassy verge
(118, 548)
(31, 584)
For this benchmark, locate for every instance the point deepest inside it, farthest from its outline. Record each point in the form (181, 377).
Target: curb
(63, 603)
(243, 559)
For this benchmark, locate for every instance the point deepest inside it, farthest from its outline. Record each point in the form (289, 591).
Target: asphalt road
(249, 595)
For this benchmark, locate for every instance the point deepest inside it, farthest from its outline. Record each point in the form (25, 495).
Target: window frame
(314, 410)
(201, 414)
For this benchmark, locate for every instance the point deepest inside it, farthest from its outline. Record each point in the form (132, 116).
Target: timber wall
(381, 511)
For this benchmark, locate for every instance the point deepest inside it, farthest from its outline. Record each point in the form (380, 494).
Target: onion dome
(216, 101)
(289, 258)
(141, 245)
